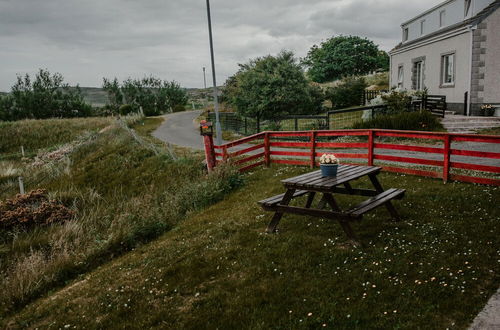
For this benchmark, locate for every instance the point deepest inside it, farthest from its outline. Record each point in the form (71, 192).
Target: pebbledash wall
(475, 42)
(487, 79)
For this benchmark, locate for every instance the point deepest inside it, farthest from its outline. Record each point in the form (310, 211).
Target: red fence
(375, 146)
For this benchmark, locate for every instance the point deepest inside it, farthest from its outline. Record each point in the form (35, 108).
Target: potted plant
(329, 165)
(487, 110)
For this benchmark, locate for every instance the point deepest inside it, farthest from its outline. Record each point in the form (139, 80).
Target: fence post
(21, 185)
(313, 149)
(296, 124)
(370, 147)
(208, 141)
(225, 156)
(22, 151)
(328, 120)
(447, 156)
(258, 125)
(267, 150)
(246, 125)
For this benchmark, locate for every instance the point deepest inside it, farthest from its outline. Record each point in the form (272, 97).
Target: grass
(125, 188)
(489, 131)
(40, 134)
(217, 269)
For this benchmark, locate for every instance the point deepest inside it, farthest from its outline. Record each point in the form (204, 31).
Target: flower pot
(329, 170)
(490, 112)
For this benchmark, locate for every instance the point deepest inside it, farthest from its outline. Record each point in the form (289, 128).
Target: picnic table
(314, 183)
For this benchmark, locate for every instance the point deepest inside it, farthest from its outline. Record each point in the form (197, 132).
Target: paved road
(179, 129)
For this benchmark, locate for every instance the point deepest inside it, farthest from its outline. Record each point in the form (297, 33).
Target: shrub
(32, 209)
(178, 108)
(422, 121)
(348, 93)
(126, 109)
(397, 100)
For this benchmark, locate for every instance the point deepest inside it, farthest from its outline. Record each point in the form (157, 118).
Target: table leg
(271, 228)
(322, 203)
(343, 223)
(392, 210)
(310, 199)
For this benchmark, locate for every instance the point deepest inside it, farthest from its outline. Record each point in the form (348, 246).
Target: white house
(452, 49)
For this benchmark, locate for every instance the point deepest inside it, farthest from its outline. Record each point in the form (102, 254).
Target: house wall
(455, 13)
(492, 59)
(461, 45)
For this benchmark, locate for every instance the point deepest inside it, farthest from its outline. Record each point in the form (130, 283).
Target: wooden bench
(273, 201)
(377, 201)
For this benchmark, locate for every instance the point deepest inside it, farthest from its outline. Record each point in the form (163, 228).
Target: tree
(154, 95)
(343, 56)
(47, 96)
(348, 93)
(271, 87)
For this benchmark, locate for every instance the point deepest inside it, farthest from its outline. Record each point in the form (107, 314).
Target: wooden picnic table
(313, 183)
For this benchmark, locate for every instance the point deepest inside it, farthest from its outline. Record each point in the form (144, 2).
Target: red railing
(303, 148)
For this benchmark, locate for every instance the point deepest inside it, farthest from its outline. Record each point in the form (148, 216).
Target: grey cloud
(90, 39)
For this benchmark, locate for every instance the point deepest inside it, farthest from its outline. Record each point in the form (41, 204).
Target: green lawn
(218, 269)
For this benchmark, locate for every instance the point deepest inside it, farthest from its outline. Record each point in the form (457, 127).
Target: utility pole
(218, 129)
(204, 78)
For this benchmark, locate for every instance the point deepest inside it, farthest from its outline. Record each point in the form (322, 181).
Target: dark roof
(478, 18)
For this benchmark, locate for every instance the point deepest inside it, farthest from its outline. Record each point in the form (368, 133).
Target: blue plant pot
(329, 170)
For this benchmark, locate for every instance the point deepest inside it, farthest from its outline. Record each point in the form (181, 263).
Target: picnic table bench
(313, 183)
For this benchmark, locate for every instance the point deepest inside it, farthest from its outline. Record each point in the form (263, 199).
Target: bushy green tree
(153, 95)
(348, 93)
(47, 96)
(343, 56)
(271, 87)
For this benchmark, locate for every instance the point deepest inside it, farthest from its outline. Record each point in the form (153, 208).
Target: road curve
(180, 129)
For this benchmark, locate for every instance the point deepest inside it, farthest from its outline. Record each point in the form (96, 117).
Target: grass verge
(124, 189)
(434, 270)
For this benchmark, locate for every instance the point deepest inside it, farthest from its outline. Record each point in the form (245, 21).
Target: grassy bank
(123, 188)
(434, 270)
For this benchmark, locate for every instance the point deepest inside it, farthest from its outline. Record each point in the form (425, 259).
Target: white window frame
(401, 75)
(442, 18)
(446, 68)
(406, 34)
(422, 27)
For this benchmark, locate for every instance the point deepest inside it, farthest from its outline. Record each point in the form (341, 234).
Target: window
(405, 34)
(400, 76)
(418, 75)
(422, 27)
(442, 17)
(467, 7)
(448, 69)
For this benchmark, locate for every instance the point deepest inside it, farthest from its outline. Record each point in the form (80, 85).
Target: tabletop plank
(315, 181)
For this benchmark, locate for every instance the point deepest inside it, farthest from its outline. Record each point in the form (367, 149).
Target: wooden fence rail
(373, 146)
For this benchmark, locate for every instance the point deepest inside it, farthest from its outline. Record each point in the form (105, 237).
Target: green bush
(348, 93)
(178, 108)
(397, 101)
(421, 121)
(126, 109)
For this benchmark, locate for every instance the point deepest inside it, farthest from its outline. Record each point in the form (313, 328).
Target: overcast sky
(86, 40)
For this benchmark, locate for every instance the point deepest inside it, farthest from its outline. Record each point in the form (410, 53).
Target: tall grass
(38, 134)
(124, 190)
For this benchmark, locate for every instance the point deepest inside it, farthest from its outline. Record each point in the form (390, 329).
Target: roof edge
(427, 12)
